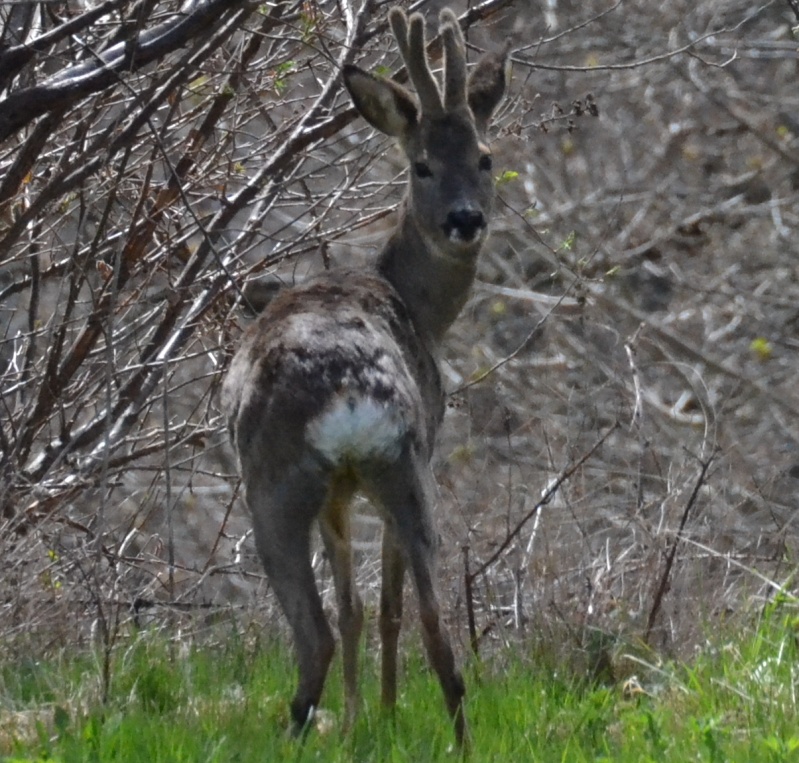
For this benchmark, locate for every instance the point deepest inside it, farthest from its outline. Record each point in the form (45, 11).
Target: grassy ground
(167, 702)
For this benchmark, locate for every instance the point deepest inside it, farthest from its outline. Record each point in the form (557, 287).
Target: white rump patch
(357, 427)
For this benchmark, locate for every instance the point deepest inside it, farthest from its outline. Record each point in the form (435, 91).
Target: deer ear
(488, 83)
(384, 104)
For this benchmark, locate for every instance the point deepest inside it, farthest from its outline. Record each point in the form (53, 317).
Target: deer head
(451, 188)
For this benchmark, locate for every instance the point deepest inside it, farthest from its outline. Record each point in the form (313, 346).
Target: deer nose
(464, 223)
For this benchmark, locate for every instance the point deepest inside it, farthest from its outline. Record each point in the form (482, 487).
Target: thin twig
(548, 495)
(664, 579)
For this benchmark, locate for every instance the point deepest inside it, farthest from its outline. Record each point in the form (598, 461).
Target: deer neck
(434, 285)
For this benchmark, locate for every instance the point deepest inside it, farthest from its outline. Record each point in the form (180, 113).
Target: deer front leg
(393, 577)
(335, 527)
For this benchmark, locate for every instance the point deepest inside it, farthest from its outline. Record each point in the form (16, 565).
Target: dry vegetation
(620, 457)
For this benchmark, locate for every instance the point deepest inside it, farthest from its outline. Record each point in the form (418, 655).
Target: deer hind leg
(393, 577)
(404, 492)
(335, 527)
(283, 514)
(435, 636)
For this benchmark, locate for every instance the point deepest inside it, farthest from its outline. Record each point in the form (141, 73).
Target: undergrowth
(175, 701)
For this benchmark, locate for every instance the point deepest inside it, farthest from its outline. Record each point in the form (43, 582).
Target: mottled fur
(343, 333)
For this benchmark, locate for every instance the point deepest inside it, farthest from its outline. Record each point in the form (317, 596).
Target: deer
(335, 388)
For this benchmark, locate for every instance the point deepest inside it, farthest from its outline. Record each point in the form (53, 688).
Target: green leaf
(507, 176)
(762, 348)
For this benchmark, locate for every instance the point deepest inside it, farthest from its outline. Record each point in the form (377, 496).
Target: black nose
(465, 223)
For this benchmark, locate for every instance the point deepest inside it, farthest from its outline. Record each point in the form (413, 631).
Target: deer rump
(334, 364)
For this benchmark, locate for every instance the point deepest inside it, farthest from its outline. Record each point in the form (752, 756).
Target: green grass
(229, 702)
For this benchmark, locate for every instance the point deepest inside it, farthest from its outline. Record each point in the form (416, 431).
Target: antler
(409, 34)
(454, 61)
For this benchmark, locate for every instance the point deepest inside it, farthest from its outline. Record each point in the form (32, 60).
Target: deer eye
(486, 162)
(422, 170)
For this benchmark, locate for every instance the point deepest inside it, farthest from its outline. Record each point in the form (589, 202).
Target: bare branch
(71, 85)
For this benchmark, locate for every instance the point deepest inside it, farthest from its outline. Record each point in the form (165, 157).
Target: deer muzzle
(464, 225)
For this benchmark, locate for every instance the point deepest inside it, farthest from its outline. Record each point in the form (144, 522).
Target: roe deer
(335, 387)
